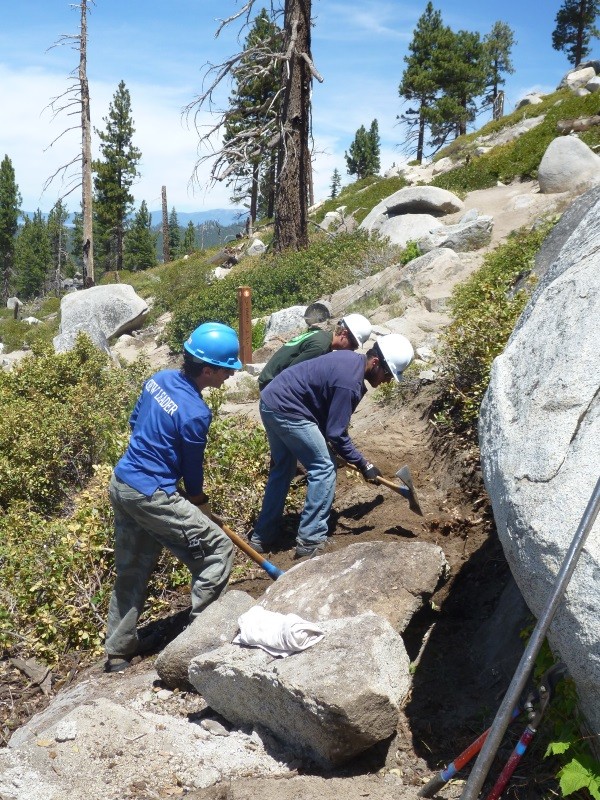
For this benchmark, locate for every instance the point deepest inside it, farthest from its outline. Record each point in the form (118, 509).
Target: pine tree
(10, 200)
(422, 76)
(115, 175)
(140, 242)
(575, 26)
(188, 245)
(59, 240)
(33, 257)
(362, 158)
(174, 235)
(254, 107)
(497, 47)
(336, 182)
(462, 80)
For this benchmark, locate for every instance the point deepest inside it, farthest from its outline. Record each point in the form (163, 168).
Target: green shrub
(520, 158)
(18, 335)
(61, 414)
(56, 568)
(361, 196)
(277, 281)
(484, 312)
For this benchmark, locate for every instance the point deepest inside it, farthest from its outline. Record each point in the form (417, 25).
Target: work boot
(258, 546)
(310, 550)
(146, 644)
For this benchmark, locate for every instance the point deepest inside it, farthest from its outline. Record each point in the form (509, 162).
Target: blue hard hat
(216, 344)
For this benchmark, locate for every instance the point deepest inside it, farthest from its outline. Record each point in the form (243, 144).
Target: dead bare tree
(285, 121)
(75, 100)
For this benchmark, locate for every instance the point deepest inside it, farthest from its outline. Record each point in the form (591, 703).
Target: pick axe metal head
(406, 478)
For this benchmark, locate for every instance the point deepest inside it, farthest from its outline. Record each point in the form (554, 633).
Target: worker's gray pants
(143, 526)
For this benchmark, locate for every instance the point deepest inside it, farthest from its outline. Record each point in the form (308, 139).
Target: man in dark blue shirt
(304, 408)
(169, 427)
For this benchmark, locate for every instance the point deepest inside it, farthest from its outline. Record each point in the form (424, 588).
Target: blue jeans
(292, 439)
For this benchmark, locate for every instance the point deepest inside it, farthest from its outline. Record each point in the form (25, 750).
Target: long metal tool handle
(380, 480)
(498, 729)
(271, 570)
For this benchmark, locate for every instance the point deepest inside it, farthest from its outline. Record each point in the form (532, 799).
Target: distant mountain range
(222, 216)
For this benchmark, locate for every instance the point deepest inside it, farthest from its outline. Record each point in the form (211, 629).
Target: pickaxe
(407, 491)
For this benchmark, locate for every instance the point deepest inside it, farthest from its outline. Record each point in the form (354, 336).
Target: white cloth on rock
(278, 634)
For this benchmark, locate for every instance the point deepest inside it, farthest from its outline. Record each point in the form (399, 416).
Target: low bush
(484, 311)
(520, 158)
(360, 197)
(56, 564)
(280, 280)
(61, 414)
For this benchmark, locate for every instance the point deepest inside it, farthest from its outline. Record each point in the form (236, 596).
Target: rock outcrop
(540, 439)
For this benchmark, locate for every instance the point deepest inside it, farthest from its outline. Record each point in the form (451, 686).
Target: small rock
(214, 727)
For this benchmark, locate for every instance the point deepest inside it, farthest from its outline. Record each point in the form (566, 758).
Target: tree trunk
(580, 30)
(272, 185)
(165, 227)
(291, 197)
(421, 139)
(254, 194)
(86, 155)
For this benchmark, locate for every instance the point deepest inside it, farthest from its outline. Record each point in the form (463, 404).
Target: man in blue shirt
(305, 408)
(169, 427)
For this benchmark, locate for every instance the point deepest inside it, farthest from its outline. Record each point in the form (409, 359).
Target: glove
(370, 473)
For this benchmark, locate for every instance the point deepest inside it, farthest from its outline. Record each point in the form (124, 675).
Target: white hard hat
(397, 352)
(359, 327)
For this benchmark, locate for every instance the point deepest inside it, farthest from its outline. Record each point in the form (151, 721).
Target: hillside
(463, 644)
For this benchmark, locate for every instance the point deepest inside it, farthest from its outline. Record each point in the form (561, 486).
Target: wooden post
(245, 323)
(165, 226)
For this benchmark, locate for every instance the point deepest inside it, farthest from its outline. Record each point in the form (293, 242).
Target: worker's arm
(336, 433)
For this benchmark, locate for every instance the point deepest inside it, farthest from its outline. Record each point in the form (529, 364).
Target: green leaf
(580, 774)
(556, 748)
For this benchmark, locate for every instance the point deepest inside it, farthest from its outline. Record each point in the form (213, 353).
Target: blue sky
(159, 48)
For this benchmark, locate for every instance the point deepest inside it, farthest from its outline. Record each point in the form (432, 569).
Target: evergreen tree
(362, 158)
(497, 47)
(115, 175)
(58, 238)
(33, 257)
(10, 201)
(253, 106)
(575, 26)
(336, 182)
(174, 235)
(462, 79)
(188, 245)
(422, 76)
(140, 242)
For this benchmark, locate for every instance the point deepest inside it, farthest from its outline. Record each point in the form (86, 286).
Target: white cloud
(169, 147)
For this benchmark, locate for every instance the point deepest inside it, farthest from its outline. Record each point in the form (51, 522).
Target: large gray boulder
(101, 311)
(404, 228)
(217, 624)
(568, 165)
(394, 578)
(285, 322)
(426, 200)
(540, 439)
(462, 237)
(328, 703)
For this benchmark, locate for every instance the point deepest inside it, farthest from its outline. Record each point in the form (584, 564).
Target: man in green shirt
(351, 332)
